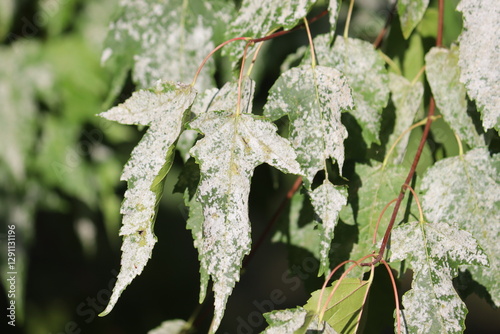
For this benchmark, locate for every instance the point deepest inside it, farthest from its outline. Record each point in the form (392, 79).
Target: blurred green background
(60, 167)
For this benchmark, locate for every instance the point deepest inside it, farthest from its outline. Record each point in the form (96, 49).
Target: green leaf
(296, 321)
(233, 146)
(479, 57)
(443, 75)
(313, 98)
(365, 72)
(327, 201)
(343, 311)
(165, 40)
(434, 252)
(257, 18)
(464, 191)
(176, 326)
(379, 186)
(410, 13)
(407, 98)
(162, 109)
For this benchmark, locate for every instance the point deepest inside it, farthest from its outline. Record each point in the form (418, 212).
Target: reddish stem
(381, 35)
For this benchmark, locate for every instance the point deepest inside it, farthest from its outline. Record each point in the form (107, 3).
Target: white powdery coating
(257, 18)
(465, 191)
(285, 321)
(327, 201)
(162, 109)
(333, 12)
(410, 13)
(407, 99)
(441, 67)
(479, 57)
(365, 71)
(314, 100)
(169, 327)
(232, 148)
(166, 41)
(433, 306)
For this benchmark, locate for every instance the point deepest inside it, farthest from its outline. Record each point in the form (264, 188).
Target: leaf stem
(311, 44)
(240, 79)
(212, 52)
(421, 214)
(374, 240)
(396, 298)
(381, 35)
(419, 74)
(348, 21)
(390, 62)
(459, 142)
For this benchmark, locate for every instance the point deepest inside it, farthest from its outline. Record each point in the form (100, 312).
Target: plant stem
(348, 22)
(381, 35)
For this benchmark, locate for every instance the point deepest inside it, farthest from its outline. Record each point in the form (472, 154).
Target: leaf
(165, 40)
(434, 252)
(343, 311)
(162, 109)
(443, 75)
(297, 321)
(410, 13)
(257, 18)
(175, 326)
(479, 57)
(233, 146)
(313, 98)
(464, 191)
(327, 201)
(378, 187)
(333, 12)
(407, 98)
(365, 72)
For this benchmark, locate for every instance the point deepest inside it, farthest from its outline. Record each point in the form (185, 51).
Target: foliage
(343, 118)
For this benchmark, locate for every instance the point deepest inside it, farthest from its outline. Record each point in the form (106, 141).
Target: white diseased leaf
(162, 109)
(479, 57)
(407, 98)
(365, 71)
(410, 13)
(165, 39)
(327, 201)
(465, 191)
(443, 75)
(233, 146)
(257, 18)
(333, 12)
(313, 98)
(434, 252)
(285, 321)
(170, 327)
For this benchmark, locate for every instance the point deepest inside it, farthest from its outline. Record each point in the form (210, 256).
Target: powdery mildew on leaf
(379, 186)
(479, 57)
(327, 201)
(365, 71)
(169, 327)
(443, 75)
(165, 40)
(465, 191)
(333, 12)
(410, 13)
(257, 18)
(285, 321)
(434, 252)
(162, 109)
(233, 146)
(313, 99)
(407, 98)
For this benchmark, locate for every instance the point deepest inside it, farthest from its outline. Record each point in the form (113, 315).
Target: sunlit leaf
(327, 201)
(233, 146)
(479, 57)
(296, 321)
(407, 98)
(256, 18)
(410, 13)
(313, 99)
(443, 75)
(465, 192)
(365, 72)
(434, 251)
(165, 40)
(162, 109)
(343, 310)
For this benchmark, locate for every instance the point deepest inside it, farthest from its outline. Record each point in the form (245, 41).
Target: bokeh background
(60, 166)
